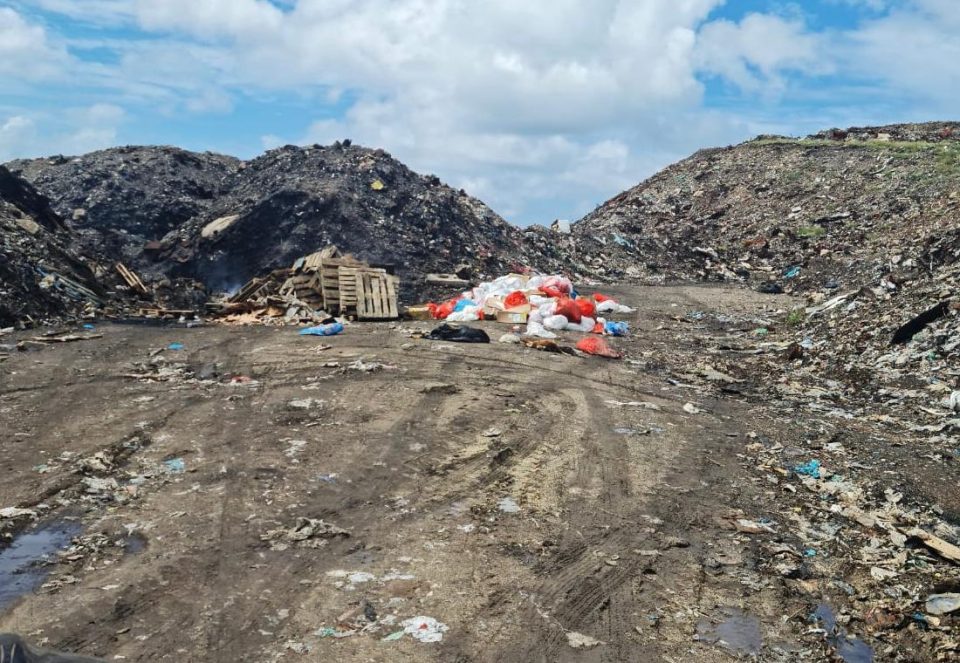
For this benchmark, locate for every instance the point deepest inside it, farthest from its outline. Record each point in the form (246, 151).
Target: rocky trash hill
(169, 213)
(119, 200)
(41, 275)
(862, 224)
(293, 201)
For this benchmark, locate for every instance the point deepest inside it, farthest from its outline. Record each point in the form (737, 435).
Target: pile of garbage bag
(547, 304)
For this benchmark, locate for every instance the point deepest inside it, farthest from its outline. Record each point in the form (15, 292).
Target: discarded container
(513, 317)
(323, 330)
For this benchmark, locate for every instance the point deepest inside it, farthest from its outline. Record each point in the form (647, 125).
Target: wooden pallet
(376, 296)
(131, 278)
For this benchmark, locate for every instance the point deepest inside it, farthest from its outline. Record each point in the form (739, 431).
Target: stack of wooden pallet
(343, 285)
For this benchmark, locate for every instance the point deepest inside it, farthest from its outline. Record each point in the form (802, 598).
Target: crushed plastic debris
(424, 629)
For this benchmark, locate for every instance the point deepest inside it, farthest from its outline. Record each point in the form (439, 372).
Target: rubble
(171, 214)
(41, 276)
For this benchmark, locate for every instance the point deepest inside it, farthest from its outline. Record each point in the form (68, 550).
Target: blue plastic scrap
(323, 330)
(792, 273)
(175, 346)
(175, 466)
(462, 304)
(616, 328)
(810, 469)
(89, 327)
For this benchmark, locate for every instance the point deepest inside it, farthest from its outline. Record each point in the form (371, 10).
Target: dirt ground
(522, 499)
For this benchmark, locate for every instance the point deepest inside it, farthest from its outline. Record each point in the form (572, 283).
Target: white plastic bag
(585, 325)
(555, 322)
(536, 329)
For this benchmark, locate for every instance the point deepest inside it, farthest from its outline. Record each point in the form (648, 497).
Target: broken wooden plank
(943, 548)
(131, 278)
(68, 338)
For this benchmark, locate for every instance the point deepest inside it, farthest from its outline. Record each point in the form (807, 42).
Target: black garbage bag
(770, 288)
(14, 650)
(458, 334)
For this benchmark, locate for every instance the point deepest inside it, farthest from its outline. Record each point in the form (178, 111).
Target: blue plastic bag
(175, 346)
(323, 330)
(462, 304)
(616, 328)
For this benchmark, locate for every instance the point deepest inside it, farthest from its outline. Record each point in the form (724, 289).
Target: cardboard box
(419, 313)
(515, 316)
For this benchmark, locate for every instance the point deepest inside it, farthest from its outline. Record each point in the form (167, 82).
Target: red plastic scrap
(598, 298)
(594, 345)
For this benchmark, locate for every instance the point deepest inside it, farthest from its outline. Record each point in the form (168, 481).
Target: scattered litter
(809, 469)
(323, 330)
(307, 532)
(594, 345)
(176, 346)
(640, 404)
(424, 629)
(581, 641)
(175, 466)
(690, 408)
(507, 505)
(943, 604)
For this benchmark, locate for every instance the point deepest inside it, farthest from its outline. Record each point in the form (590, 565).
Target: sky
(543, 109)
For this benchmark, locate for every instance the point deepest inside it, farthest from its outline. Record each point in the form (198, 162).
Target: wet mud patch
(25, 564)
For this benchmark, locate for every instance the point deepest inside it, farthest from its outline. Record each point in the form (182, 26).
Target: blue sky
(543, 109)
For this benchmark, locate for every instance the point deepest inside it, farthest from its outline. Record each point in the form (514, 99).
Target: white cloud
(531, 105)
(106, 12)
(70, 131)
(913, 52)
(756, 53)
(210, 18)
(25, 50)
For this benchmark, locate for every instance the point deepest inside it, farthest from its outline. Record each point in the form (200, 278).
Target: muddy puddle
(23, 565)
(849, 649)
(738, 632)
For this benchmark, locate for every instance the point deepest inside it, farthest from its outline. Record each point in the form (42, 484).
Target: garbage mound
(119, 200)
(168, 213)
(41, 276)
(834, 211)
(292, 201)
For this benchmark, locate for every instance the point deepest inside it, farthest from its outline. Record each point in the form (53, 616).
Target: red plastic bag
(598, 298)
(587, 308)
(569, 309)
(443, 310)
(595, 345)
(551, 292)
(598, 328)
(515, 299)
